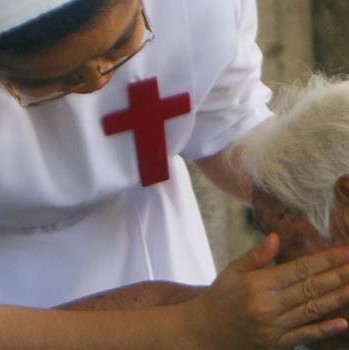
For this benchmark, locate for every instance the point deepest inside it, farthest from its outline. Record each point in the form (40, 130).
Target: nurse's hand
(252, 306)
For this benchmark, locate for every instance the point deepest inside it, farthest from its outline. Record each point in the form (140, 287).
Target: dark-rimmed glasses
(28, 101)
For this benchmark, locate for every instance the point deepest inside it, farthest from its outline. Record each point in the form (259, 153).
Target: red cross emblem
(146, 117)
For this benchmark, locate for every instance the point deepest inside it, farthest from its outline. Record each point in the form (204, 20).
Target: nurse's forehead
(67, 54)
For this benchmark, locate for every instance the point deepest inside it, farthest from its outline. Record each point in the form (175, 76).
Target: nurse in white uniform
(95, 128)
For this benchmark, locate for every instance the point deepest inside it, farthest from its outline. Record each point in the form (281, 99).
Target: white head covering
(14, 13)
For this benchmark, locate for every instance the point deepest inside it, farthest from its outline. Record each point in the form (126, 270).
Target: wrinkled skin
(299, 237)
(136, 297)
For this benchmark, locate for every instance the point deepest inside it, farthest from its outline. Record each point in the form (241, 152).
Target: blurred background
(297, 38)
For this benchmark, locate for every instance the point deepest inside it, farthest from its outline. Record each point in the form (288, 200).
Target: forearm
(226, 172)
(127, 318)
(136, 297)
(151, 328)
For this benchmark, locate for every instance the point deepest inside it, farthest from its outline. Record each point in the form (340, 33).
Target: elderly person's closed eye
(300, 170)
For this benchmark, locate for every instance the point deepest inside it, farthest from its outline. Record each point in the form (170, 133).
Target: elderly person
(102, 103)
(300, 170)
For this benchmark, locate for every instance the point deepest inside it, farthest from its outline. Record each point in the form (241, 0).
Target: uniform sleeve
(238, 100)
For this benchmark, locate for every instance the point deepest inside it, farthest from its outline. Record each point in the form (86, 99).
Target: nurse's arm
(228, 176)
(132, 317)
(225, 170)
(136, 297)
(36, 329)
(221, 315)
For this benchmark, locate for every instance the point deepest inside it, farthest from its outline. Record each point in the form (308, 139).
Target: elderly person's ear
(342, 190)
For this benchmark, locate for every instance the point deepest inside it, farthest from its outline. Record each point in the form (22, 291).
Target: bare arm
(125, 318)
(218, 318)
(136, 297)
(133, 317)
(149, 294)
(225, 171)
(151, 328)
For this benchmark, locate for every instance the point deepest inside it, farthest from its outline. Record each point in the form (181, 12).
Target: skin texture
(136, 297)
(205, 307)
(299, 238)
(251, 306)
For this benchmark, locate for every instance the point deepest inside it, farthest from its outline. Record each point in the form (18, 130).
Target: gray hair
(300, 155)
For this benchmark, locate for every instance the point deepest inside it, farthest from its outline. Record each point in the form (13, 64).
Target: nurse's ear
(340, 211)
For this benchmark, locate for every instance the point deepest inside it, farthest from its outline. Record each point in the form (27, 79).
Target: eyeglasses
(28, 101)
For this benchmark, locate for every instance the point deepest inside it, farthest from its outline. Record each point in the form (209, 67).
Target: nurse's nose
(92, 76)
(104, 65)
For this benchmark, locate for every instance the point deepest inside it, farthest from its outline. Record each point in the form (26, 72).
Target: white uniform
(74, 218)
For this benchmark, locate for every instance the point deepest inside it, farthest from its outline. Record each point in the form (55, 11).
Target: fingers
(305, 267)
(259, 256)
(313, 310)
(314, 287)
(313, 333)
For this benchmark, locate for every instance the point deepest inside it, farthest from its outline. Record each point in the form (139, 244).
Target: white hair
(300, 155)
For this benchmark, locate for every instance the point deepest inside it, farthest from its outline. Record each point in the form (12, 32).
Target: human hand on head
(252, 306)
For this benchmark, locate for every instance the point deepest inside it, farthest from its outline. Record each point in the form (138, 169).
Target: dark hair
(50, 28)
